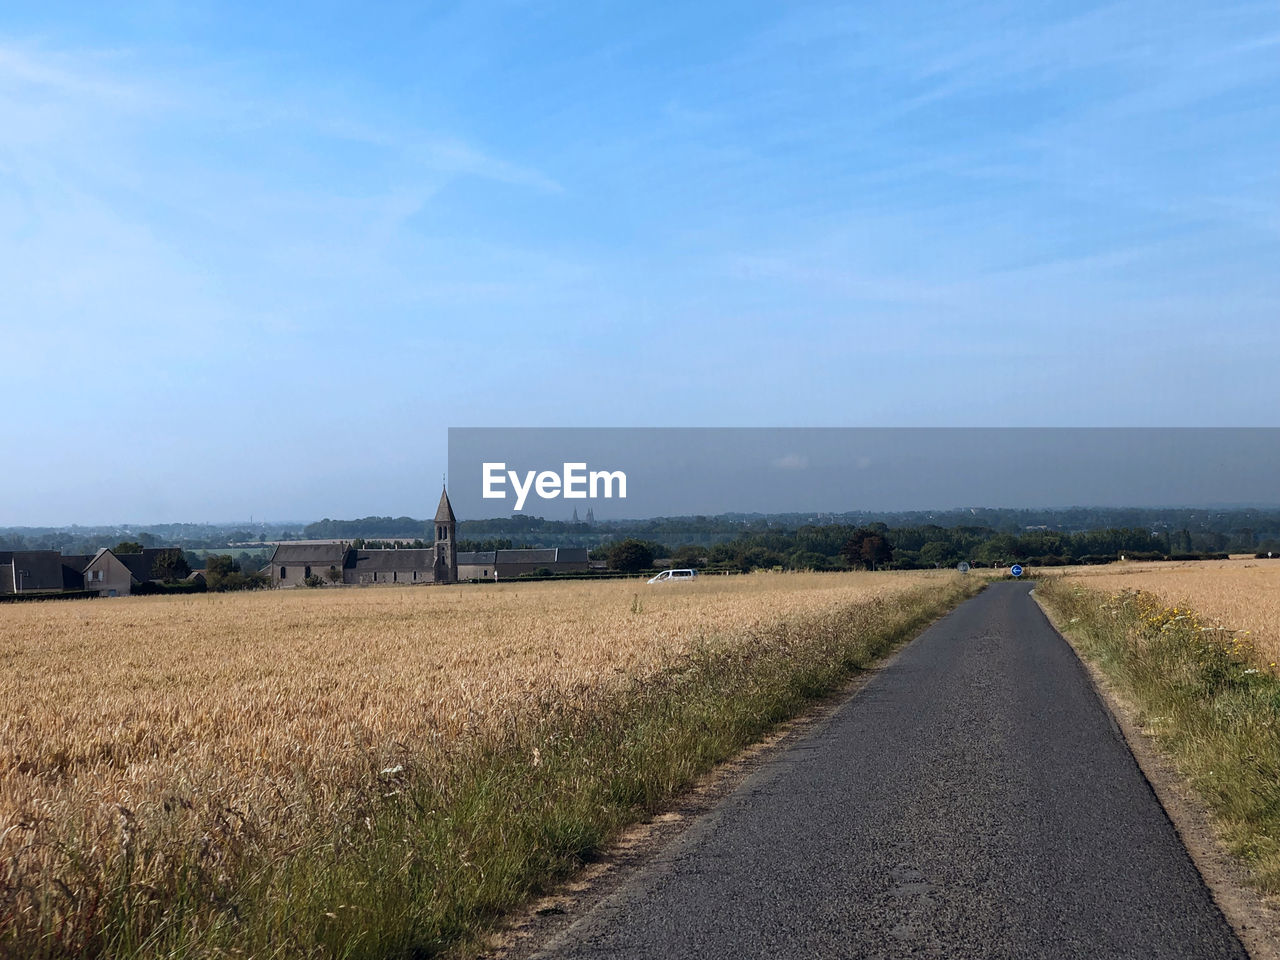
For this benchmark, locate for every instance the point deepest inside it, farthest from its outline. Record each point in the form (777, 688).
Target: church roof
(444, 512)
(389, 560)
(334, 554)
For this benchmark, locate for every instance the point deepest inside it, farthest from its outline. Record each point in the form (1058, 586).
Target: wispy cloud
(128, 185)
(792, 461)
(74, 75)
(455, 156)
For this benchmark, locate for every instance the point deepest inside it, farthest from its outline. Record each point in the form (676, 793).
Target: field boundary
(537, 925)
(1253, 917)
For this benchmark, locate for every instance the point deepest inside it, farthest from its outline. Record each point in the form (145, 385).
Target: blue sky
(256, 261)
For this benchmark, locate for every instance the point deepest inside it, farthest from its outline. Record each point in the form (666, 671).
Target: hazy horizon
(426, 516)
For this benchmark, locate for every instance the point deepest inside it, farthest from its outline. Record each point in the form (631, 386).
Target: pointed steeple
(444, 512)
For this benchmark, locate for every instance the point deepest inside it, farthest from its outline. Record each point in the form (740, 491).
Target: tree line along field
(373, 772)
(1240, 595)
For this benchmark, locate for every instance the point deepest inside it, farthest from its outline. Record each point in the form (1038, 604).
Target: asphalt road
(973, 800)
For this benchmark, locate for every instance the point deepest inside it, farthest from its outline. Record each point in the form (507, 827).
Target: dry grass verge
(1202, 698)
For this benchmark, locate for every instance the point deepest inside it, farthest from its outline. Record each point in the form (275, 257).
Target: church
(339, 562)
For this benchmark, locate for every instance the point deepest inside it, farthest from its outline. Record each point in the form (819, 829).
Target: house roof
(444, 512)
(476, 558)
(328, 554)
(544, 555)
(97, 556)
(142, 565)
(389, 560)
(73, 570)
(547, 555)
(36, 570)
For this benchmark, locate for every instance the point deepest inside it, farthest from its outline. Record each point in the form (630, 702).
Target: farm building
(504, 564)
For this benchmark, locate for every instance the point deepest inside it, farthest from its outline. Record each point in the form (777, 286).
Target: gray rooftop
(544, 555)
(386, 561)
(142, 565)
(326, 554)
(35, 570)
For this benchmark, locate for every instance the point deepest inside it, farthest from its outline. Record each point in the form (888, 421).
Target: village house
(107, 574)
(48, 571)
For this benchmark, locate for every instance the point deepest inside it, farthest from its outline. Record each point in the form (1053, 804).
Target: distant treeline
(1179, 530)
(922, 538)
(369, 528)
(840, 547)
(188, 536)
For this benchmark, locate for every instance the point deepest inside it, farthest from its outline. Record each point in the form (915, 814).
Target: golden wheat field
(1239, 594)
(176, 715)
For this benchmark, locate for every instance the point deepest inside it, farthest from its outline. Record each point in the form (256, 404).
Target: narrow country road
(973, 800)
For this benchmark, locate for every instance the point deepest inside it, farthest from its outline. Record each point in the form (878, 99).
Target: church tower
(446, 559)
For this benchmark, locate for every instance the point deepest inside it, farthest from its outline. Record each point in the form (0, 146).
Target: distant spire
(444, 512)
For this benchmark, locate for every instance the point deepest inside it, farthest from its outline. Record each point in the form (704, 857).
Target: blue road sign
(1016, 569)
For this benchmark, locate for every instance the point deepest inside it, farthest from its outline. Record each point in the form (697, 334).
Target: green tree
(867, 547)
(170, 565)
(221, 572)
(692, 557)
(127, 546)
(876, 551)
(936, 553)
(334, 574)
(630, 556)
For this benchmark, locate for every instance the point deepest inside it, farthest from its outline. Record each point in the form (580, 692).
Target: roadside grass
(426, 859)
(1205, 698)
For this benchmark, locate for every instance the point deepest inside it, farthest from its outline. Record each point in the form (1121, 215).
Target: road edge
(535, 927)
(1255, 920)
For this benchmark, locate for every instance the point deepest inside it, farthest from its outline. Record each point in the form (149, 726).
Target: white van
(675, 576)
